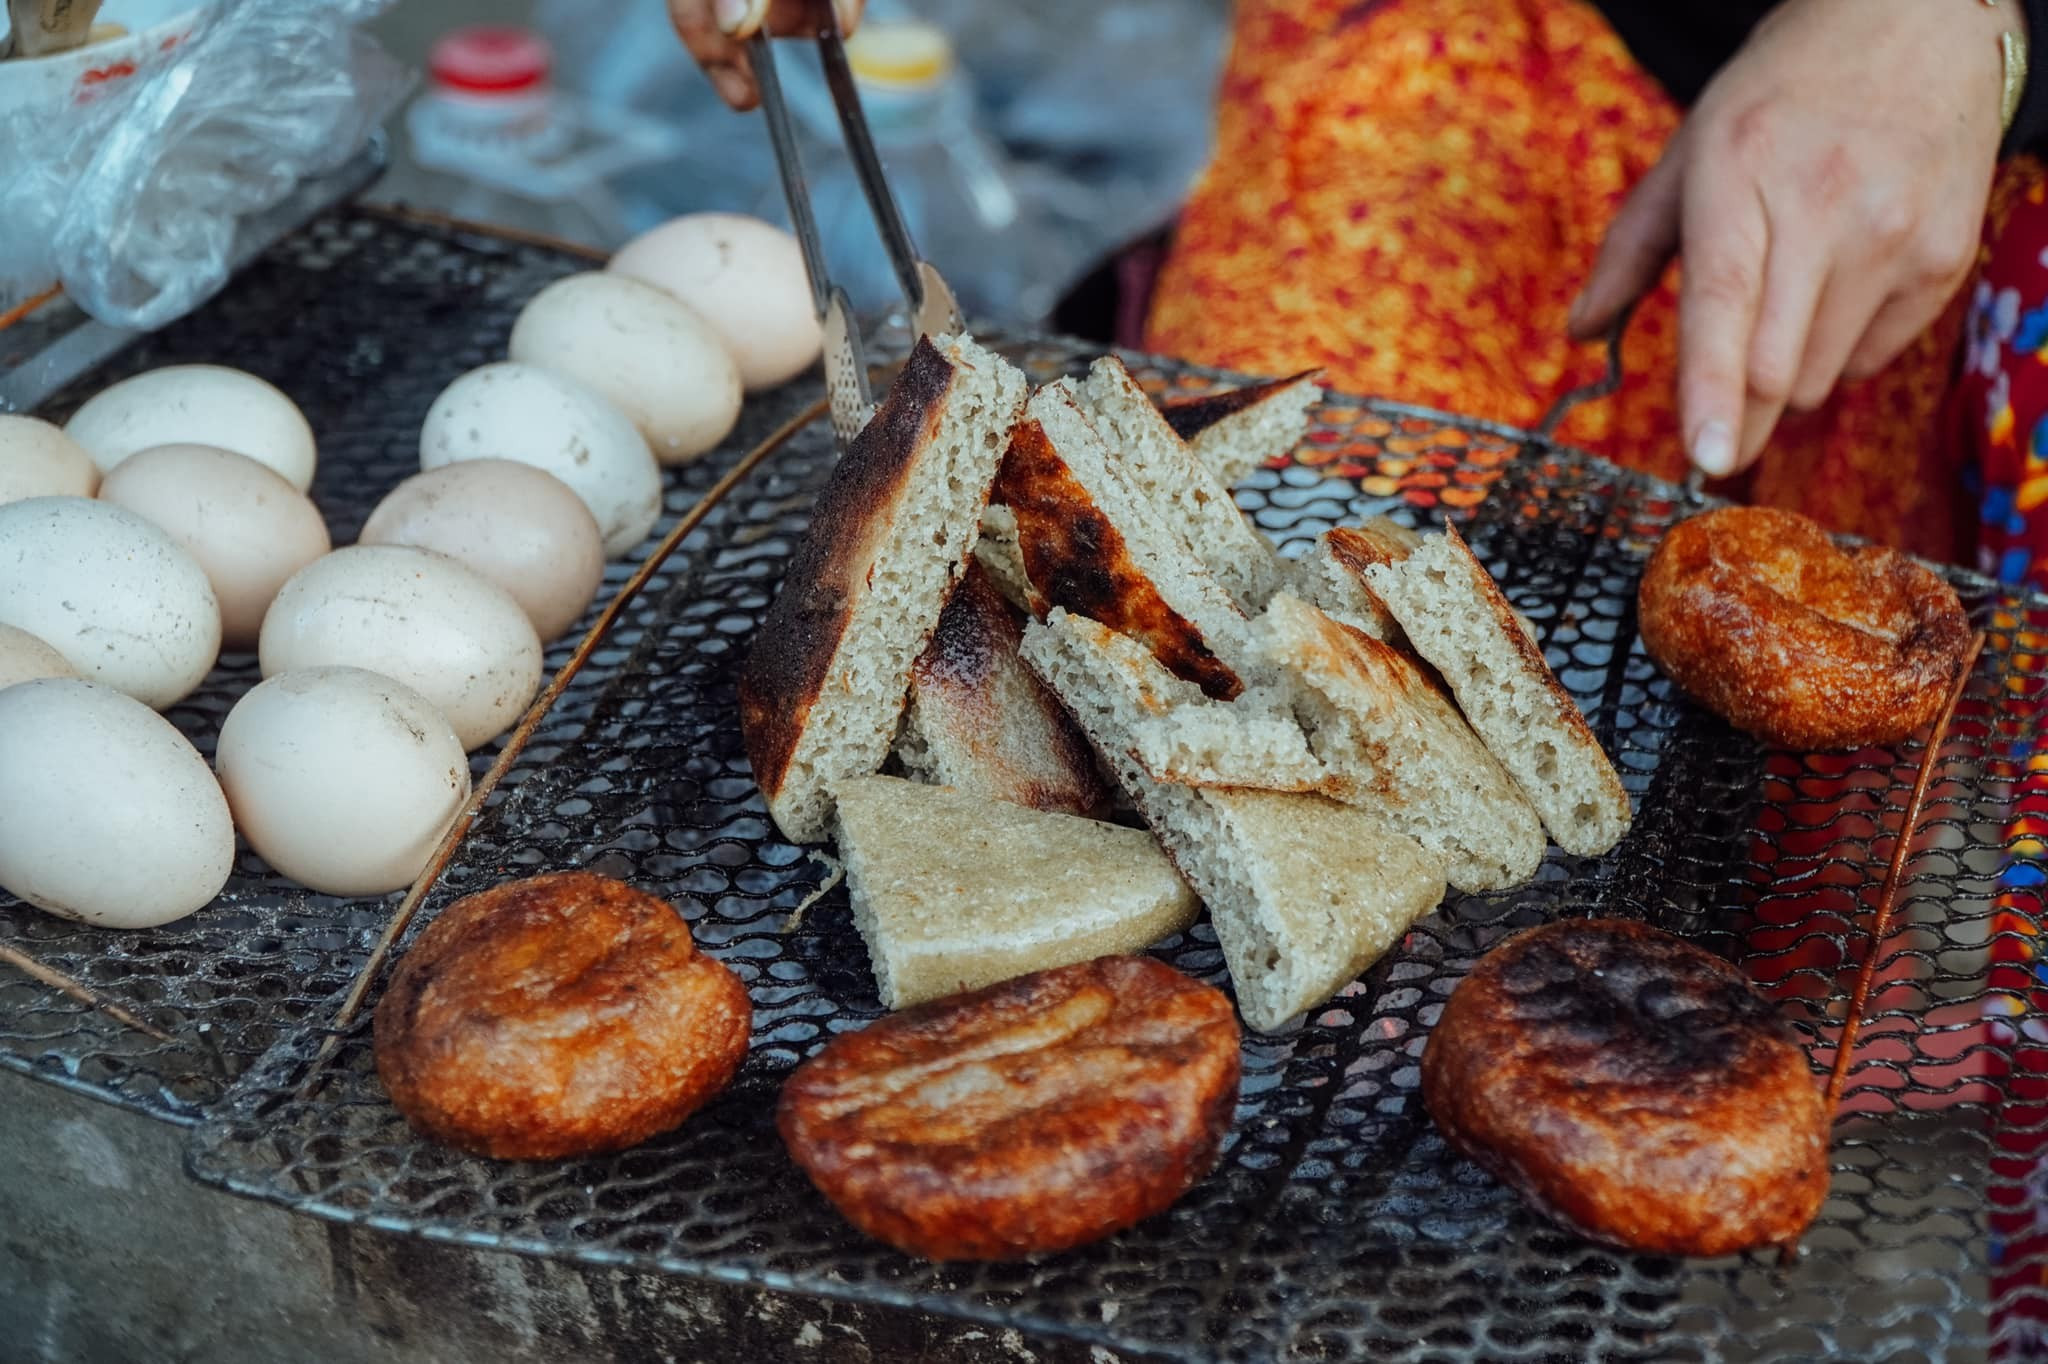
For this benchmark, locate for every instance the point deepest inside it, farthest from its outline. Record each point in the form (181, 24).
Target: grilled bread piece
(1090, 542)
(952, 891)
(1455, 617)
(1332, 575)
(1394, 744)
(996, 551)
(823, 685)
(1178, 735)
(1235, 432)
(1187, 494)
(983, 722)
(1305, 892)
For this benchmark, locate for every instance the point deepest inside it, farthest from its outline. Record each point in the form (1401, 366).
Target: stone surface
(109, 1254)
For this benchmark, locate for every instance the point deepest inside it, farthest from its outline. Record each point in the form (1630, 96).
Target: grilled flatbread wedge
(1235, 432)
(824, 683)
(1455, 617)
(1188, 496)
(1332, 575)
(981, 721)
(1394, 744)
(1090, 542)
(953, 891)
(1305, 893)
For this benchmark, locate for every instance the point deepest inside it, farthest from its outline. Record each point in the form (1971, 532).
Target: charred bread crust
(790, 662)
(1759, 615)
(995, 713)
(1633, 1086)
(1081, 1100)
(556, 1016)
(1075, 558)
(1190, 417)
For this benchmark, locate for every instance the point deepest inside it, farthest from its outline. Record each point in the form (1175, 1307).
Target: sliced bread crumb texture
(981, 721)
(1305, 893)
(1456, 617)
(1394, 744)
(825, 679)
(1180, 487)
(1235, 432)
(1091, 543)
(953, 891)
(1179, 735)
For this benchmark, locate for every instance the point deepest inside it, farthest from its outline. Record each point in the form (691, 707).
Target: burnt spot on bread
(1075, 557)
(1190, 417)
(790, 660)
(975, 630)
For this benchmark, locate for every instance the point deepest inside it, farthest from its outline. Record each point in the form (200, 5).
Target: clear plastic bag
(130, 200)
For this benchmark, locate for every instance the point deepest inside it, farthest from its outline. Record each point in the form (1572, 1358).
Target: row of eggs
(384, 662)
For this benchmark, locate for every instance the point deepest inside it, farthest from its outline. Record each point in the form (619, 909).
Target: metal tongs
(933, 311)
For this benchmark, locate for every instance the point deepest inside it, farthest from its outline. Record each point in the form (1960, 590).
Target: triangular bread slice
(824, 682)
(1178, 735)
(1455, 616)
(1394, 744)
(1090, 542)
(980, 721)
(952, 891)
(1305, 893)
(1332, 574)
(1235, 432)
(1183, 489)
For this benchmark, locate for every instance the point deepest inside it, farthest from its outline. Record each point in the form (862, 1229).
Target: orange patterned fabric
(1411, 192)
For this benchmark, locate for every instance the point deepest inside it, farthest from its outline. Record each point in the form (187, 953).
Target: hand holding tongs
(933, 310)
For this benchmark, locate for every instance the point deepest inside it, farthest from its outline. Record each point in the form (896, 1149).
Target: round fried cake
(1632, 1086)
(1029, 1117)
(1755, 612)
(557, 1016)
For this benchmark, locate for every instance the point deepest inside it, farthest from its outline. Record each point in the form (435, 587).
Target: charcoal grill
(1338, 1225)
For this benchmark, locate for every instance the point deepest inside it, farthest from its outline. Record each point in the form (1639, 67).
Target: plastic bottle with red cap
(493, 140)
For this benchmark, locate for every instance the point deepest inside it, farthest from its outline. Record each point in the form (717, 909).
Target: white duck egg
(535, 416)
(108, 815)
(115, 595)
(344, 780)
(197, 405)
(654, 358)
(414, 616)
(24, 658)
(516, 525)
(743, 276)
(248, 528)
(38, 460)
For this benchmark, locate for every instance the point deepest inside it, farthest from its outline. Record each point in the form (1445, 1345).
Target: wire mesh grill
(1337, 1225)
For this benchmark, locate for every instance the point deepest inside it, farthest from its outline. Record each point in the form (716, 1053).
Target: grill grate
(1338, 1225)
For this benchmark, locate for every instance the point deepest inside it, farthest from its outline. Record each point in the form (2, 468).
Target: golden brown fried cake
(1029, 1117)
(1634, 1087)
(557, 1016)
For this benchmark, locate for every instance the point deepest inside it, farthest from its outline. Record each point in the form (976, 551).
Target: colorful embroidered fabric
(1411, 192)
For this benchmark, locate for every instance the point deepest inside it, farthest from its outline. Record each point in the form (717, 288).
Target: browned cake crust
(1633, 1086)
(791, 658)
(1759, 615)
(1190, 417)
(990, 726)
(557, 1016)
(1029, 1117)
(1075, 557)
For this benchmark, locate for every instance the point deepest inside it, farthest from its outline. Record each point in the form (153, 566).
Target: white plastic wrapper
(130, 199)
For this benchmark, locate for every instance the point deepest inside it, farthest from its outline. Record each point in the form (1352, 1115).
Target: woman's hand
(1826, 197)
(716, 32)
